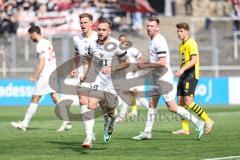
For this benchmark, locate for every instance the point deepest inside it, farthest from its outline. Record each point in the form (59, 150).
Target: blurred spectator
(188, 7)
(52, 5)
(42, 11)
(137, 21)
(235, 5)
(64, 5)
(9, 20)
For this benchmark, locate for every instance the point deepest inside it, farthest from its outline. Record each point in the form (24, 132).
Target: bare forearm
(189, 65)
(76, 61)
(121, 66)
(154, 65)
(38, 70)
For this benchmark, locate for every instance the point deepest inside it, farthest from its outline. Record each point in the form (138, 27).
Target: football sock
(30, 112)
(151, 115)
(88, 121)
(199, 111)
(134, 105)
(187, 115)
(142, 102)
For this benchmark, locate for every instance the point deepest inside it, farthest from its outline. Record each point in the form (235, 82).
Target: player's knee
(92, 106)
(111, 112)
(187, 102)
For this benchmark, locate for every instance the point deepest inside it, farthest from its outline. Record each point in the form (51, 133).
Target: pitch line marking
(223, 158)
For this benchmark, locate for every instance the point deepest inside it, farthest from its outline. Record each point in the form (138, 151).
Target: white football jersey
(103, 55)
(81, 45)
(45, 49)
(158, 48)
(133, 54)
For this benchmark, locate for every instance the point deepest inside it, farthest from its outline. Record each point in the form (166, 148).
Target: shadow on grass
(76, 146)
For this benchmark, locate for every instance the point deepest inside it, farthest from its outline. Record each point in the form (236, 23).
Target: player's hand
(83, 78)
(141, 66)
(179, 73)
(74, 73)
(134, 68)
(106, 70)
(33, 78)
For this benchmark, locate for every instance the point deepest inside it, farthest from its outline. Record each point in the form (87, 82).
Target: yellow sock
(134, 108)
(199, 111)
(185, 125)
(134, 105)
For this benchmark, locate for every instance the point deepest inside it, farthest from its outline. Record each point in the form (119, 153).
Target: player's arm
(193, 49)
(124, 63)
(86, 66)
(190, 64)
(160, 63)
(39, 68)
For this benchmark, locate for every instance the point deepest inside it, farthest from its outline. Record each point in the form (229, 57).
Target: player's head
(122, 38)
(183, 31)
(153, 26)
(104, 29)
(34, 33)
(86, 22)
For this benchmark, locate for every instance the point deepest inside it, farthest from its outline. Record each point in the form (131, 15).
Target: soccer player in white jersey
(160, 60)
(135, 56)
(105, 69)
(47, 64)
(81, 45)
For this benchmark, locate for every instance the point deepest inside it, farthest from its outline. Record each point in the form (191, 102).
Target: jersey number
(103, 62)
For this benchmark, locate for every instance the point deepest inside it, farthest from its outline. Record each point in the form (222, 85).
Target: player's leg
(109, 105)
(29, 114)
(66, 124)
(133, 106)
(185, 123)
(88, 120)
(183, 113)
(189, 89)
(151, 115)
(200, 112)
(142, 102)
(123, 107)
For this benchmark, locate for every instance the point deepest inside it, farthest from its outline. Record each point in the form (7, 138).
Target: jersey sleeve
(75, 42)
(160, 48)
(121, 54)
(41, 50)
(193, 48)
(136, 53)
(90, 49)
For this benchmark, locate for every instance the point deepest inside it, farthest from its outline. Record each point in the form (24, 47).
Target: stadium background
(215, 29)
(213, 24)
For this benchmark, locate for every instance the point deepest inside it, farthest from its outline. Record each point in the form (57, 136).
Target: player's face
(182, 33)
(85, 24)
(152, 28)
(122, 39)
(33, 36)
(103, 31)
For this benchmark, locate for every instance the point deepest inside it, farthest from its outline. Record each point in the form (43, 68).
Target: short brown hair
(154, 18)
(122, 35)
(183, 26)
(83, 15)
(106, 21)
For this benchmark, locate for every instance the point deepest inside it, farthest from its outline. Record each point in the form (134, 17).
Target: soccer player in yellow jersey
(188, 78)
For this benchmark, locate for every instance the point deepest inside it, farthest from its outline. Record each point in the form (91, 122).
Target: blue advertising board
(210, 91)
(19, 92)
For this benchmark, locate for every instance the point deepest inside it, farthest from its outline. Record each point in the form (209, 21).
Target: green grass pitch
(42, 142)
